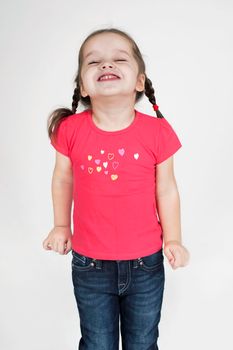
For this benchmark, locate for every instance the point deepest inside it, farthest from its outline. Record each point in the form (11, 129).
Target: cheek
(132, 77)
(90, 74)
(87, 80)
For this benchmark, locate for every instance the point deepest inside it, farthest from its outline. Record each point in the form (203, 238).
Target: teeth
(105, 77)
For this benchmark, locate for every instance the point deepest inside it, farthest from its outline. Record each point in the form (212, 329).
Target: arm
(168, 207)
(62, 187)
(59, 238)
(168, 201)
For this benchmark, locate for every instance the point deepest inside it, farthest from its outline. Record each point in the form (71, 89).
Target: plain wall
(187, 47)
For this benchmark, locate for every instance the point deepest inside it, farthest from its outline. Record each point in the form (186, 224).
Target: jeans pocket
(152, 262)
(81, 262)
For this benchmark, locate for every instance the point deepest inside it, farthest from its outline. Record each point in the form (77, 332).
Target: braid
(76, 98)
(59, 114)
(149, 92)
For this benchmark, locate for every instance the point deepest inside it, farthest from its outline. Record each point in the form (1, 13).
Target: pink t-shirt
(115, 215)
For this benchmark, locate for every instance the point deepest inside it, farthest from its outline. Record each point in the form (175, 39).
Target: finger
(169, 254)
(46, 245)
(61, 247)
(55, 247)
(176, 262)
(49, 246)
(178, 258)
(186, 260)
(68, 247)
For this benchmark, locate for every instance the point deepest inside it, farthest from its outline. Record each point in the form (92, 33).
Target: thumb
(46, 244)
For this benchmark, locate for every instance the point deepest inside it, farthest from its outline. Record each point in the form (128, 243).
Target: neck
(111, 115)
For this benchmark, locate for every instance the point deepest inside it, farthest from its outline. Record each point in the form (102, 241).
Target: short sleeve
(60, 140)
(167, 141)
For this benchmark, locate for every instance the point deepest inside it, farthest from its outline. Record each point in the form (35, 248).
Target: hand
(59, 240)
(176, 253)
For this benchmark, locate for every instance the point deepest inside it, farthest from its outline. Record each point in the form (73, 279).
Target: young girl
(116, 163)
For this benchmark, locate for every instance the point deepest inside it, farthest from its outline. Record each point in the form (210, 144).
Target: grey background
(187, 47)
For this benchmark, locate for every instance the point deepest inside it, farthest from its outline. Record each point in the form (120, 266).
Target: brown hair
(59, 114)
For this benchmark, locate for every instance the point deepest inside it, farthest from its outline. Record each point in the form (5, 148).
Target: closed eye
(98, 62)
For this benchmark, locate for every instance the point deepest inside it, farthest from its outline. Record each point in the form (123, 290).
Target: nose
(105, 65)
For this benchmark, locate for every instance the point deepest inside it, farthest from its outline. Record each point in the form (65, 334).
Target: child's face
(108, 58)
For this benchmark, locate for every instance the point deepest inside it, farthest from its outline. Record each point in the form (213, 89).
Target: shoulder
(155, 122)
(72, 124)
(149, 119)
(75, 118)
(150, 122)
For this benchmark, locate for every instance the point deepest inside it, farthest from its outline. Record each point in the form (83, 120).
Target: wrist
(173, 241)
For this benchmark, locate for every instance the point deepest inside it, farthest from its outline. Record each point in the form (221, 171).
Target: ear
(82, 91)
(140, 86)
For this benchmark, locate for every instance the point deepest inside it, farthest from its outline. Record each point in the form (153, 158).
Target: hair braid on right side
(149, 92)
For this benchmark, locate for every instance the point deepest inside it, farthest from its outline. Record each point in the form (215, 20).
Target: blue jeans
(109, 291)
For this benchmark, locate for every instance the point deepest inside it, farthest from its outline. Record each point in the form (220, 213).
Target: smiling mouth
(108, 78)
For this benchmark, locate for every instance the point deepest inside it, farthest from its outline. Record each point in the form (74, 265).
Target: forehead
(106, 42)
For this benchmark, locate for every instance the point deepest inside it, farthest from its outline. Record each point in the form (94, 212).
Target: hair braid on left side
(150, 93)
(76, 98)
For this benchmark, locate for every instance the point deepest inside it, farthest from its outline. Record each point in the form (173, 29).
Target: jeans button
(140, 261)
